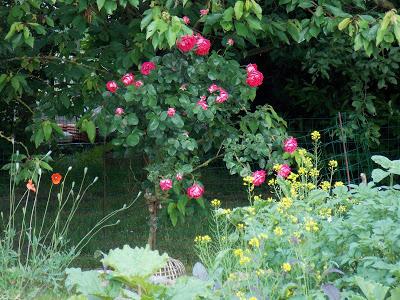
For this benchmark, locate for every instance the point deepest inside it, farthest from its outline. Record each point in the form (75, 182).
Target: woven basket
(172, 270)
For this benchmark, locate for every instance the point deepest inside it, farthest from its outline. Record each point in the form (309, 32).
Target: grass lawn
(119, 184)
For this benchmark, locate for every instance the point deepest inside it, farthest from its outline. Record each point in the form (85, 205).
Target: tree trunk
(153, 204)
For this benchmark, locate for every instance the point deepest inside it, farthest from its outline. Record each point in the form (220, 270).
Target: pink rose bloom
(251, 67)
(213, 88)
(119, 111)
(179, 176)
(203, 12)
(128, 79)
(112, 86)
(138, 83)
(203, 98)
(186, 43)
(203, 104)
(230, 42)
(171, 112)
(166, 184)
(147, 67)
(284, 171)
(203, 46)
(290, 145)
(195, 191)
(254, 78)
(186, 20)
(259, 177)
(223, 96)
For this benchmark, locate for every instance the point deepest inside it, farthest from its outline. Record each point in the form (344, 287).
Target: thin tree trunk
(153, 205)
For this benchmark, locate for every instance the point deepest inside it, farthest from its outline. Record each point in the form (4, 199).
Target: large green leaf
(378, 175)
(134, 266)
(190, 288)
(383, 161)
(372, 290)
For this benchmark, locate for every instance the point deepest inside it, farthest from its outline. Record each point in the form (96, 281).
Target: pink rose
(290, 145)
(179, 176)
(186, 20)
(186, 43)
(195, 191)
(203, 45)
(138, 83)
(284, 171)
(128, 79)
(203, 12)
(147, 67)
(230, 42)
(171, 112)
(254, 78)
(259, 177)
(119, 111)
(251, 67)
(112, 86)
(166, 184)
(203, 104)
(223, 96)
(213, 88)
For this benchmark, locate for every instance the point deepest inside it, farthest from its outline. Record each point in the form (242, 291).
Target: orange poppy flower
(56, 178)
(30, 186)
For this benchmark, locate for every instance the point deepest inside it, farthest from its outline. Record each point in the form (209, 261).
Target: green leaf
(171, 37)
(396, 30)
(45, 165)
(47, 130)
(133, 139)
(337, 12)
(172, 212)
(134, 3)
(383, 161)
(190, 288)
(153, 124)
(132, 119)
(383, 28)
(395, 294)
(13, 29)
(91, 131)
(182, 201)
(344, 23)
(257, 9)
(100, 4)
(254, 23)
(135, 265)
(372, 290)
(38, 137)
(378, 175)
(177, 121)
(238, 9)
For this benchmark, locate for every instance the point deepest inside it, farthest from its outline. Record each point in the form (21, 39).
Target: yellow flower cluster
(308, 162)
(284, 204)
(293, 176)
(244, 260)
(224, 211)
(278, 231)
(257, 198)
(240, 226)
(272, 181)
(202, 239)
(339, 183)
(333, 164)
(286, 267)
(310, 186)
(260, 272)
(216, 203)
(342, 208)
(302, 152)
(311, 225)
(240, 295)
(232, 277)
(238, 252)
(315, 135)
(313, 172)
(248, 180)
(252, 298)
(325, 185)
(293, 219)
(270, 199)
(254, 242)
(302, 171)
(325, 212)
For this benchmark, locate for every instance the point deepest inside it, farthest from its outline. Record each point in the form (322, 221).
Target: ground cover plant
(314, 239)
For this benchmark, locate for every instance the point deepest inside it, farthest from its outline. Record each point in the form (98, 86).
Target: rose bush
(181, 109)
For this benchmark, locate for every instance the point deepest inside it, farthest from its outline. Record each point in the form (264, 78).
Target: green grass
(118, 184)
